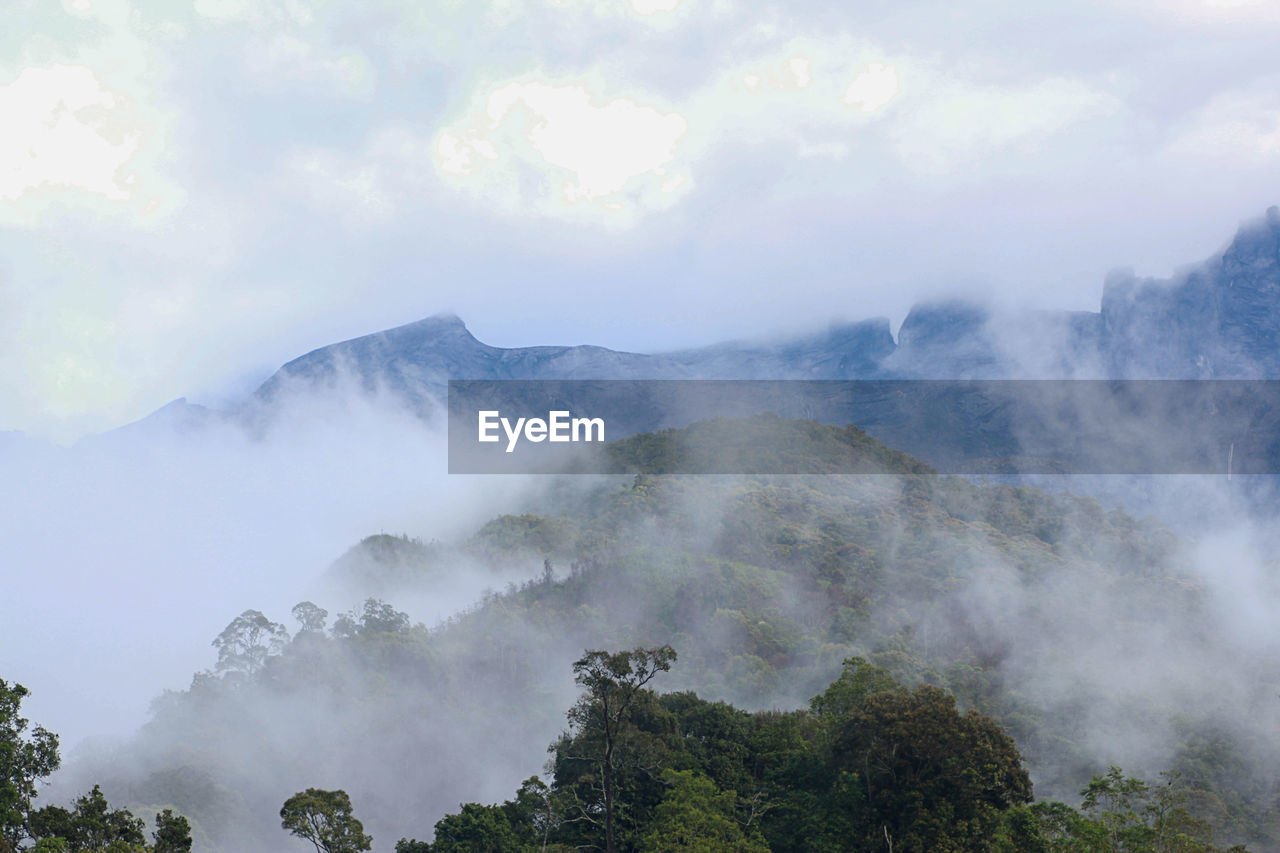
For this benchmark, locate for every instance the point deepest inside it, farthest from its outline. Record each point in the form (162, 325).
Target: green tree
(858, 680)
(246, 643)
(407, 845)
(26, 757)
(1131, 815)
(477, 829)
(90, 826)
(173, 833)
(612, 682)
(915, 774)
(325, 819)
(696, 817)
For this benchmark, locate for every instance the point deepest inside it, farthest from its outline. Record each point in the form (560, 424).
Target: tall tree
(25, 758)
(326, 820)
(246, 643)
(612, 682)
(311, 617)
(173, 833)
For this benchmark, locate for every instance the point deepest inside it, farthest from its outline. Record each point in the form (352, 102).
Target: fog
(129, 552)
(137, 548)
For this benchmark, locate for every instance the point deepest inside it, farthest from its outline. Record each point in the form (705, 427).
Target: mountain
(1218, 319)
(415, 362)
(845, 350)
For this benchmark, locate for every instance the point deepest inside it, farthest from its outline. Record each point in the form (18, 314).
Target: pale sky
(192, 193)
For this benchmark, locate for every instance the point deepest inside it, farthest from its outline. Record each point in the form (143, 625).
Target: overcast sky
(193, 192)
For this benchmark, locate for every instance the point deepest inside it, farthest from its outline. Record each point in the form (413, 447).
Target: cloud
(1234, 127)
(288, 58)
(64, 130)
(254, 11)
(1210, 12)
(649, 10)
(372, 184)
(952, 124)
(873, 88)
(562, 149)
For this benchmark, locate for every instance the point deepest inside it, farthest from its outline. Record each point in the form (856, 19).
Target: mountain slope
(1084, 632)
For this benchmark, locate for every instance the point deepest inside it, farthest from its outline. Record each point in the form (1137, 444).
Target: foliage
(244, 645)
(766, 584)
(311, 617)
(326, 820)
(25, 759)
(612, 682)
(173, 833)
(913, 772)
(696, 817)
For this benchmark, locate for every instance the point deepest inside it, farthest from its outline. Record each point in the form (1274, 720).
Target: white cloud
(255, 11)
(224, 10)
(1211, 12)
(373, 184)
(652, 7)
(556, 146)
(873, 88)
(799, 91)
(952, 124)
(286, 57)
(64, 130)
(1242, 127)
(647, 10)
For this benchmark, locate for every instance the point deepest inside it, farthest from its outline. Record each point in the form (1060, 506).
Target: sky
(192, 193)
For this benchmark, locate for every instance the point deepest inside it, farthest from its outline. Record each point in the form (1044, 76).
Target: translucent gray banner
(956, 427)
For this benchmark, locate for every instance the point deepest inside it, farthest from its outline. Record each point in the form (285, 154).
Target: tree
(325, 819)
(25, 758)
(476, 829)
(377, 617)
(858, 680)
(1131, 814)
(96, 826)
(173, 833)
(915, 774)
(408, 845)
(696, 817)
(310, 617)
(245, 644)
(612, 682)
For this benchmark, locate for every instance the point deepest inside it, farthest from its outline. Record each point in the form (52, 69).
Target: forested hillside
(1082, 633)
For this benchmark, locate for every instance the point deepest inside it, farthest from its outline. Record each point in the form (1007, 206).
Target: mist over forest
(315, 604)
(982, 560)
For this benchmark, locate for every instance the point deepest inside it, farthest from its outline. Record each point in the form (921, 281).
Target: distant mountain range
(1216, 319)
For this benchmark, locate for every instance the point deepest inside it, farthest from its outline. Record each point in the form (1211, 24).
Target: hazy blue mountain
(1216, 319)
(414, 362)
(844, 351)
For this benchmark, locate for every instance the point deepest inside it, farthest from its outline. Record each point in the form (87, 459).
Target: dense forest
(888, 661)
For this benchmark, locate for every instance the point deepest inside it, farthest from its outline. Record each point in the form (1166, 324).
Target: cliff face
(1219, 319)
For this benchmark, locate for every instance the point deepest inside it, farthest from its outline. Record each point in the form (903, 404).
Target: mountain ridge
(1219, 318)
